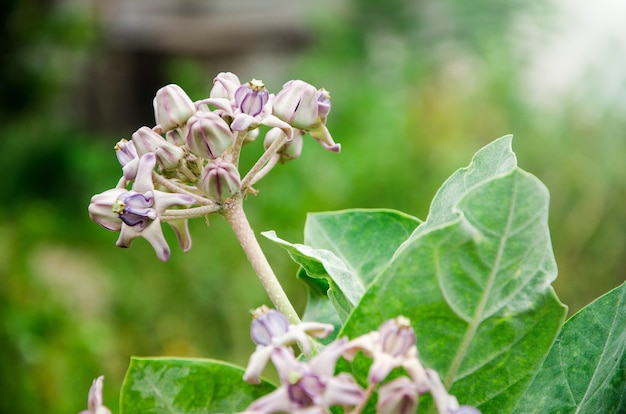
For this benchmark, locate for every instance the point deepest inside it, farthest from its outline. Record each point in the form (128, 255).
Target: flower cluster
(313, 387)
(187, 165)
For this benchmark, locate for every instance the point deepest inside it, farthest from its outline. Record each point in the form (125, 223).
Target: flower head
(309, 388)
(135, 213)
(269, 330)
(251, 97)
(392, 346)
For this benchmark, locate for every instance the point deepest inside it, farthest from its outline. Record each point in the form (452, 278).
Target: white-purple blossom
(391, 346)
(309, 387)
(135, 213)
(270, 330)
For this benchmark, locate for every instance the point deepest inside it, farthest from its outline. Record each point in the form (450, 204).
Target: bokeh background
(418, 86)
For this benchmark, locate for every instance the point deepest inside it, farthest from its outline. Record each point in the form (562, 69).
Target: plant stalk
(236, 217)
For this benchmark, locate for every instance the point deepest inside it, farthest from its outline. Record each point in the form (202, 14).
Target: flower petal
(101, 209)
(274, 402)
(181, 229)
(256, 364)
(143, 180)
(164, 200)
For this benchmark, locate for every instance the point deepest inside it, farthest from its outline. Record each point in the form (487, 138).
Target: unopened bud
(209, 135)
(224, 85)
(220, 179)
(125, 151)
(175, 136)
(168, 155)
(172, 107)
(297, 104)
(146, 140)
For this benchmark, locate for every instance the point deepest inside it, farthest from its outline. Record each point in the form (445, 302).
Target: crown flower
(309, 388)
(135, 213)
(270, 330)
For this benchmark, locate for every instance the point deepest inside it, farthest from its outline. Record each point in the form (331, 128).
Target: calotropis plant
(187, 165)
(452, 314)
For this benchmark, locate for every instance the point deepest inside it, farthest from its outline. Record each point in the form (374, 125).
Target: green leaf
(585, 371)
(342, 254)
(344, 286)
(491, 161)
(476, 285)
(180, 385)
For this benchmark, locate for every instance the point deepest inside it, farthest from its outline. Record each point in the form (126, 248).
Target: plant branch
(265, 158)
(236, 218)
(266, 169)
(236, 149)
(175, 188)
(187, 213)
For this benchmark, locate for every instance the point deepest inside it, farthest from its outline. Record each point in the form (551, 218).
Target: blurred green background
(417, 88)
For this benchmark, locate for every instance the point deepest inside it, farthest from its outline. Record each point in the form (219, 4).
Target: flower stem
(236, 217)
(258, 166)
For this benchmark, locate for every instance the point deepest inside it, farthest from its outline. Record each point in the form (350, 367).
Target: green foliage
(474, 278)
(368, 240)
(176, 385)
(585, 371)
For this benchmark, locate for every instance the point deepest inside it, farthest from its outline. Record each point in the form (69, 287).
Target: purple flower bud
(168, 155)
(251, 97)
(297, 104)
(224, 86)
(397, 336)
(172, 107)
(267, 324)
(209, 135)
(220, 180)
(127, 156)
(176, 137)
(125, 151)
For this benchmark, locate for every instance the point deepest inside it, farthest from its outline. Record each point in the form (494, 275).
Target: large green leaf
(491, 161)
(477, 287)
(190, 386)
(342, 254)
(585, 371)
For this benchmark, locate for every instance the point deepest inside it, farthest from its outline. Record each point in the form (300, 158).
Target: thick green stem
(236, 217)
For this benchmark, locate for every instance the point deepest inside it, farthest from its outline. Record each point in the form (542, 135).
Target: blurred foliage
(417, 88)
